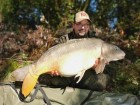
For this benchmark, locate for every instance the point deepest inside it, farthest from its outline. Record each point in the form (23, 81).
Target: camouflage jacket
(72, 35)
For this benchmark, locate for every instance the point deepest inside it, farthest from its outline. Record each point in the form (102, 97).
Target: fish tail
(29, 83)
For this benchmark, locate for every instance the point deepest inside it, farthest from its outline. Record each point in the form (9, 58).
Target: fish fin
(100, 67)
(80, 75)
(29, 83)
(20, 73)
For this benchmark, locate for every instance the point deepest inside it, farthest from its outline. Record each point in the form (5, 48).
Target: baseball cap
(82, 15)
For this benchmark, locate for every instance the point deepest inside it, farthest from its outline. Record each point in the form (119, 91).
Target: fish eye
(116, 48)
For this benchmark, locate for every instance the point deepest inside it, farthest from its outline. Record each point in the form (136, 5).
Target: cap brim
(82, 20)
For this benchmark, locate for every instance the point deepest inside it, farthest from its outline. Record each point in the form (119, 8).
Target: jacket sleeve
(62, 39)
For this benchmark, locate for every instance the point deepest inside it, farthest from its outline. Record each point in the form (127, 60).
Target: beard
(82, 33)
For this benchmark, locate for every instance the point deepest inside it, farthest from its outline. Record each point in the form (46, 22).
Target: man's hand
(97, 62)
(54, 73)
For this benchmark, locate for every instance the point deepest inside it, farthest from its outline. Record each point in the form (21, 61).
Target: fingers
(54, 73)
(96, 63)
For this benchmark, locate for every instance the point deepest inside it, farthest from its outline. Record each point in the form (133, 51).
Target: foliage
(59, 13)
(127, 79)
(6, 10)
(129, 15)
(100, 16)
(62, 11)
(10, 65)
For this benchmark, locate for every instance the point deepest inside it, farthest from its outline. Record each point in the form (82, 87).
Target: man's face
(81, 28)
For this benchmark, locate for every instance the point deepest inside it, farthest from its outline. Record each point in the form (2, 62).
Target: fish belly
(76, 62)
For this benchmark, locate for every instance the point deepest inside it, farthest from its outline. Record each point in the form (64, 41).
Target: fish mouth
(122, 56)
(119, 58)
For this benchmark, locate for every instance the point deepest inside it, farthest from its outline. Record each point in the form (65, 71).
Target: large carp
(71, 58)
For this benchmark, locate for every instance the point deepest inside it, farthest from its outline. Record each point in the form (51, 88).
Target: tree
(60, 13)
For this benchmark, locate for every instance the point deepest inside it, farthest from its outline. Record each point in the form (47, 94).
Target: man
(90, 80)
(81, 27)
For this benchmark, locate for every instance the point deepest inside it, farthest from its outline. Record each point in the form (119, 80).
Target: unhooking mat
(69, 96)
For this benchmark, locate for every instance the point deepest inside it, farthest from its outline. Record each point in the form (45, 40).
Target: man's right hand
(97, 62)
